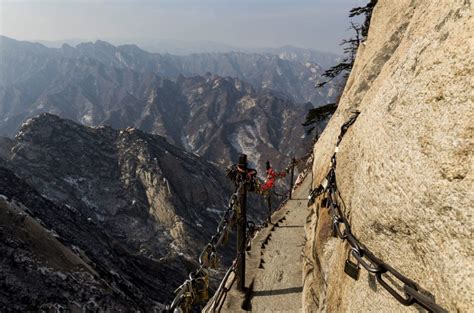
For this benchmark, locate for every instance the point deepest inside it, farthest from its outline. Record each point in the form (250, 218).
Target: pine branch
(319, 114)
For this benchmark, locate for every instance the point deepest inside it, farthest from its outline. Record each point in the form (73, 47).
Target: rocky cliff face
(5, 147)
(154, 197)
(405, 168)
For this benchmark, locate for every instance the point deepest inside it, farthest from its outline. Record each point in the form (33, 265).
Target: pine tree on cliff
(367, 11)
(344, 67)
(352, 44)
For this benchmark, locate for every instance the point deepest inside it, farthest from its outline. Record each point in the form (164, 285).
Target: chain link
(341, 228)
(195, 289)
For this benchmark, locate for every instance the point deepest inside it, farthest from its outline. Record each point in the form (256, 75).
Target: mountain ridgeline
(214, 116)
(123, 177)
(287, 71)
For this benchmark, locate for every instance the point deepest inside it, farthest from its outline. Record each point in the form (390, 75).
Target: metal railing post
(241, 225)
(293, 162)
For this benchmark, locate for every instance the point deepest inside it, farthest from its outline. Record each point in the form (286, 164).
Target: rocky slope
(142, 189)
(53, 259)
(6, 145)
(405, 168)
(140, 208)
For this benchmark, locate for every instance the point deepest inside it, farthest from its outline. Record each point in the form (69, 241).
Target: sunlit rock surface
(405, 168)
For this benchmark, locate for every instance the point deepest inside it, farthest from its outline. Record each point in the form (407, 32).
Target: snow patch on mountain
(73, 181)
(152, 96)
(87, 119)
(119, 57)
(261, 134)
(187, 143)
(214, 210)
(245, 141)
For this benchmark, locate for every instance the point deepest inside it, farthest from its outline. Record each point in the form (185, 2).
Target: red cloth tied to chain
(271, 177)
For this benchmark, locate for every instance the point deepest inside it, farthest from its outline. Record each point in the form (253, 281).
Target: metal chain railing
(217, 301)
(194, 290)
(221, 293)
(341, 228)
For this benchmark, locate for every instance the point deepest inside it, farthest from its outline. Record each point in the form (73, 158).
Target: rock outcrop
(156, 198)
(405, 168)
(5, 147)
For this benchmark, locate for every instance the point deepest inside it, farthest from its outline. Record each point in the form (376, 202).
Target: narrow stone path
(278, 285)
(274, 264)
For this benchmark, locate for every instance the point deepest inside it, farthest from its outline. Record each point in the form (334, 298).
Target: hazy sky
(319, 24)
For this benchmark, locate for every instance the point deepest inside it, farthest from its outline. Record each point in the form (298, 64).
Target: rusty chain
(411, 293)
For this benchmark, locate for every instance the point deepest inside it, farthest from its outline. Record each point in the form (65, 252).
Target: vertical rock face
(404, 168)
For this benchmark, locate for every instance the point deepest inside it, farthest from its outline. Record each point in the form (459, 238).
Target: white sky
(319, 24)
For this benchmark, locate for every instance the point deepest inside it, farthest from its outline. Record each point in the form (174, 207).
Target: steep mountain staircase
(274, 262)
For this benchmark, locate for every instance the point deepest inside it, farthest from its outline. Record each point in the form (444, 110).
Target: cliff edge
(404, 168)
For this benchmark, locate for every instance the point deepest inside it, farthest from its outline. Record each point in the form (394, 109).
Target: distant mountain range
(100, 84)
(288, 71)
(180, 47)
